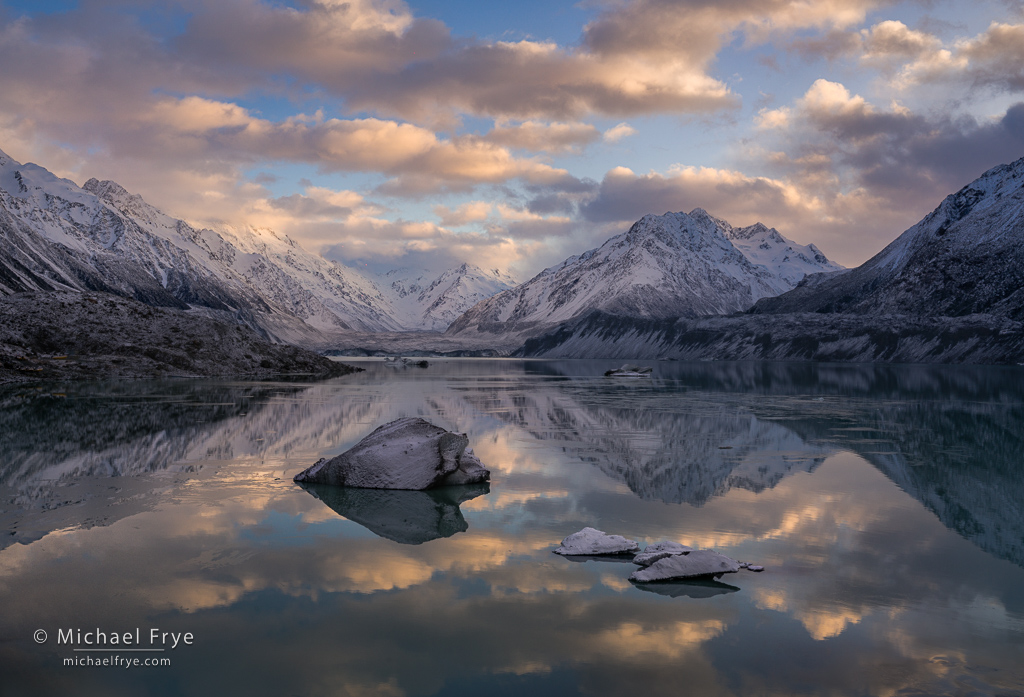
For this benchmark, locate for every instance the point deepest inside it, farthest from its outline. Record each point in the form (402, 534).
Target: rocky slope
(965, 257)
(68, 335)
(980, 339)
(671, 265)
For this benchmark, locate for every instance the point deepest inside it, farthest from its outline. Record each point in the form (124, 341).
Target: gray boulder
(702, 562)
(593, 542)
(409, 453)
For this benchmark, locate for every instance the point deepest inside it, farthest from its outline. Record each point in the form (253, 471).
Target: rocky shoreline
(60, 336)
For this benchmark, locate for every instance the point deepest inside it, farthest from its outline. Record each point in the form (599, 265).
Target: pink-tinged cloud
(537, 136)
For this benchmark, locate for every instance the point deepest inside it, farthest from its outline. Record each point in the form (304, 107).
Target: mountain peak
(670, 265)
(113, 193)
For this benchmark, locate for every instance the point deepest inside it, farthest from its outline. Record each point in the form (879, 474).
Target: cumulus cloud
(471, 212)
(618, 132)
(891, 40)
(624, 196)
(99, 92)
(881, 168)
(640, 57)
(912, 58)
(545, 137)
(993, 59)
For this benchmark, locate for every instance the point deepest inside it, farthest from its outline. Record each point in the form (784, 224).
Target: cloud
(545, 137)
(911, 58)
(993, 59)
(624, 196)
(882, 168)
(471, 212)
(884, 45)
(891, 39)
(617, 133)
(839, 171)
(199, 126)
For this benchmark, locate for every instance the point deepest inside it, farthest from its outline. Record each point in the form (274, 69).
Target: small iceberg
(629, 371)
(660, 550)
(592, 542)
(696, 564)
(409, 453)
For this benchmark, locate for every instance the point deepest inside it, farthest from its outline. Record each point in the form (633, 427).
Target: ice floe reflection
(885, 504)
(409, 517)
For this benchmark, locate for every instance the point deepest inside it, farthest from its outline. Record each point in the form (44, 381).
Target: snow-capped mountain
(59, 236)
(426, 300)
(966, 257)
(672, 265)
(787, 260)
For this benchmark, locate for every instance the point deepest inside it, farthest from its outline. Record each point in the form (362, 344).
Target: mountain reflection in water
(884, 502)
(950, 437)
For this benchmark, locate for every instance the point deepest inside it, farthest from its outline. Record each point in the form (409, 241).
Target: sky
(512, 135)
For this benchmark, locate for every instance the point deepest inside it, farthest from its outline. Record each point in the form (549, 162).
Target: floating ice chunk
(660, 550)
(592, 542)
(701, 562)
(629, 371)
(405, 454)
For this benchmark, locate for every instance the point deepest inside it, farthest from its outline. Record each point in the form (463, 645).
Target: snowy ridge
(965, 257)
(59, 236)
(425, 301)
(671, 265)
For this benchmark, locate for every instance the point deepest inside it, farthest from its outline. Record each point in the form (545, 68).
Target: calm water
(886, 503)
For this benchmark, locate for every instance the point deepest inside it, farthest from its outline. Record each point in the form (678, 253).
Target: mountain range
(949, 289)
(99, 237)
(678, 285)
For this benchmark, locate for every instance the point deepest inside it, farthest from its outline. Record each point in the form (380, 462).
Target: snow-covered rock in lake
(670, 265)
(701, 562)
(593, 542)
(408, 453)
(660, 550)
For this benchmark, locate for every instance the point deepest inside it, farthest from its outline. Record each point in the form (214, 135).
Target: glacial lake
(886, 504)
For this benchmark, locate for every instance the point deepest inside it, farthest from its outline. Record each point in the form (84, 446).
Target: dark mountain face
(966, 257)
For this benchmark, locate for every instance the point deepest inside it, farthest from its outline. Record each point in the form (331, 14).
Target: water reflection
(950, 437)
(696, 588)
(867, 590)
(408, 517)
